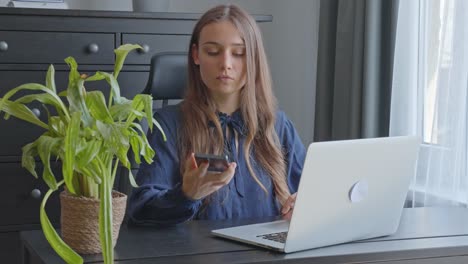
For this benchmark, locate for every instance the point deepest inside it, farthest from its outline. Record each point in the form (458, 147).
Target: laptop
(349, 190)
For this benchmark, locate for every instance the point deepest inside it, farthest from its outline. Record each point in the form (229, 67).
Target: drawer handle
(93, 48)
(36, 112)
(36, 193)
(144, 49)
(3, 46)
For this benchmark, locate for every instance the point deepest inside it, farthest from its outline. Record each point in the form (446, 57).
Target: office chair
(168, 77)
(167, 81)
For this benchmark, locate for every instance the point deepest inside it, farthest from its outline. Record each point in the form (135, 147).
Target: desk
(425, 235)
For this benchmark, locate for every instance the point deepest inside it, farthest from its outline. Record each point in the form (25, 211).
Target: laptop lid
(351, 190)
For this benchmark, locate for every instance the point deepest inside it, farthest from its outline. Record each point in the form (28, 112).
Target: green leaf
(54, 98)
(62, 249)
(156, 123)
(27, 159)
(22, 112)
(115, 88)
(97, 106)
(57, 127)
(35, 87)
(132, 179)
(148, 153)
(76, 99)
(46, 146)
(88, 152)
(145, 148)
(144, 103)
(105, 217)
(148, 104)
(96, 77)
(70, 144)
(50, 79)
(63, 93)
(92, 171)
(116, 139)
(121, 111)
(121, 53)
(135, 143)
(74, 75)
(85, 159)
(43, 98)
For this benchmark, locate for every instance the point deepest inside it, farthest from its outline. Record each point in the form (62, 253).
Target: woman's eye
(212, 53)
(238, 52)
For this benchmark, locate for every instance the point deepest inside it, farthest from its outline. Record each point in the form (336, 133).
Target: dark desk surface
(425, 235)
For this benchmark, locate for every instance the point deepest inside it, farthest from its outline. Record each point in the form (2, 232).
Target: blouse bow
(235, 124)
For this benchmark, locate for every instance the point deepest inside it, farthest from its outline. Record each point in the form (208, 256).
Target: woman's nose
(226, 61)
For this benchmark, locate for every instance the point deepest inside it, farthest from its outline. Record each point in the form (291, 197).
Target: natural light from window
(429, 96)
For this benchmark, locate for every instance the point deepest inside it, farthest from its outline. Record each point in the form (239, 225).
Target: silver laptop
(349, 190)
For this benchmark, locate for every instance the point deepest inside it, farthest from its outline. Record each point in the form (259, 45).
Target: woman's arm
(159, 198)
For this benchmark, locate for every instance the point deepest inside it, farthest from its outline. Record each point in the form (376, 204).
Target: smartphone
(216, 163)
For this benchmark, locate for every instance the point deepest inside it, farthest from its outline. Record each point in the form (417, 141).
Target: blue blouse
(159, 198)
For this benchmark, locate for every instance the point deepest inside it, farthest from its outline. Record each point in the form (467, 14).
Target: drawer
(156, 44)
(16, 201)
(54, 47)
(10, 245)
(16, 133)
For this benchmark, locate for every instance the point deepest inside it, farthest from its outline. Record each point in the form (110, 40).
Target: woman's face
(221, 56)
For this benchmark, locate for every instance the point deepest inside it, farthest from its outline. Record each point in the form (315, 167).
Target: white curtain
(429, 97)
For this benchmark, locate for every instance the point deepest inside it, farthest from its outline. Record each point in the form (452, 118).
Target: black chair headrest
(168, 76)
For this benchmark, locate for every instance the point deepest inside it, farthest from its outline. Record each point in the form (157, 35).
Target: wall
(291, 42)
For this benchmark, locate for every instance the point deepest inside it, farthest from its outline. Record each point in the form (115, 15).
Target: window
(429, 96)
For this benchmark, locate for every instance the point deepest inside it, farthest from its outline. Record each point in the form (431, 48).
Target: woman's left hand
(288, 207)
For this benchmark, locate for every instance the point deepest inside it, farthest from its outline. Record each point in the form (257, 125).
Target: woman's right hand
(198, 182)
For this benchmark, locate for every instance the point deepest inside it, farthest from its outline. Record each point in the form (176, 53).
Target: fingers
(286, 208)
(191, 165)
(203, 169)
(198, 182)
(231, 169)
(229, 172)
(289, 204)
(288, 215)
(190, 162)
(223, 178)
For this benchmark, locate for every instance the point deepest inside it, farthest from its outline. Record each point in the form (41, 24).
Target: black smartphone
(216, 163)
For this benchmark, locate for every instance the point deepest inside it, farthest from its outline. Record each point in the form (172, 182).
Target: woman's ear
(195, 58)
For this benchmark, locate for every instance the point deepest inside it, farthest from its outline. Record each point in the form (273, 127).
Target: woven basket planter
(80, 221)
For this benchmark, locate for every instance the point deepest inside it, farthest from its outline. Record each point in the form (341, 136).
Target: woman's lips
(224, 78)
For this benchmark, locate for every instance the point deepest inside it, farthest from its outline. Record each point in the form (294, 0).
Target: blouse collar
(233, 121)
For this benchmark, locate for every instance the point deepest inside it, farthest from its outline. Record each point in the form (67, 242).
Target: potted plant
(91, 136)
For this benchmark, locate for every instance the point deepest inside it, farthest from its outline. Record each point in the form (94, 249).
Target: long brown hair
(258, 104)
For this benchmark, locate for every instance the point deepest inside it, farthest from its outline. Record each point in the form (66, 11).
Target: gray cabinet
(30, 40)
(53, 47)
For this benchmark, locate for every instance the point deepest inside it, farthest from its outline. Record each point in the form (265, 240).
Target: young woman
(229, 108)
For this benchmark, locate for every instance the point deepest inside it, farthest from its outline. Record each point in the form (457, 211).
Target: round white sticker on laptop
(358, 191)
